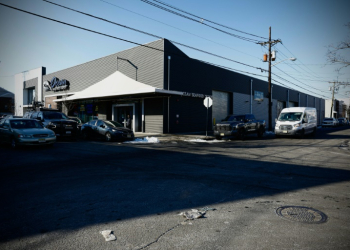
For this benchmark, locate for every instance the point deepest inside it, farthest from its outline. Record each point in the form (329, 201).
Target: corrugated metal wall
(149, 63)
(241, 103)
(188, 114)
(154, 115)
(220, 105)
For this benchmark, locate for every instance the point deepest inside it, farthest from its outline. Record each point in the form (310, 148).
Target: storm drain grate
(302, 214)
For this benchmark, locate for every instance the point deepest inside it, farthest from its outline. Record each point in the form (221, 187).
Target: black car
(74, 118)
(108, 130)
(56, 121)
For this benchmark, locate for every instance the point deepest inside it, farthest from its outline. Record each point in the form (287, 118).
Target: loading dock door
(220, 105)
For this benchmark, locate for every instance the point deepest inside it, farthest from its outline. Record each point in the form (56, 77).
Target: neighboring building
(162, 89)
(6, 101)
(337, 110)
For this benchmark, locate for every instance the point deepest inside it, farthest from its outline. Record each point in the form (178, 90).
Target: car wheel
(260, 133)
(241, 134)
(314, 132)
(108, 136)
(13, 143)
(302, 134)
(218, 137)
(84, 135)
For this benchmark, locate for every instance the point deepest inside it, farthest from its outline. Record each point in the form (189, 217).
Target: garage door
(220, 105)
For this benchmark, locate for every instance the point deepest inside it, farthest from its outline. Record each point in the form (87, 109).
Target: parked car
(106, 129)
(9, 116)
(239, 125)
(56, 121)
(19, 132)
(330, 122)
(343, 121)
(79, 122)
(296, 121)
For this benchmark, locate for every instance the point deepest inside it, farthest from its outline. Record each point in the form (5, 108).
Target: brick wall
(49, 100)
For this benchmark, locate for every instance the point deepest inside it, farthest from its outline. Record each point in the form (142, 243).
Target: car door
(252, 123)
(90, 128)
(2, 130)
(6, 131)
(101, 128)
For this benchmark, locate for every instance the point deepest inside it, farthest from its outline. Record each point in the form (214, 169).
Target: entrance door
(121, 115)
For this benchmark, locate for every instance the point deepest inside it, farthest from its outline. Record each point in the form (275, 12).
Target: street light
(270, 96)
(291, 59)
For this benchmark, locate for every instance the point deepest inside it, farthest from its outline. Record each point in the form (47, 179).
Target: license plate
(222, 134)
(68, 132)
(285, 132)
(42, 140)
(129, 136)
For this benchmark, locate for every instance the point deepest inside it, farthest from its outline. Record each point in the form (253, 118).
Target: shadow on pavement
(76, 185)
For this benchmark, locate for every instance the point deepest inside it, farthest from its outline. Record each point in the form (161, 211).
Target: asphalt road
(62, 197)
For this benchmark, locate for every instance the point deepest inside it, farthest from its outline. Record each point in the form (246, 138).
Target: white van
(296, 121)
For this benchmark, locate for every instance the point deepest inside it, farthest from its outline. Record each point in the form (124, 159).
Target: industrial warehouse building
(159, 86)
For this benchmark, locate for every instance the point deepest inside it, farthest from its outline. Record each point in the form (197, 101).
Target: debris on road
(345, 145)
(193, 214)
(108, 235)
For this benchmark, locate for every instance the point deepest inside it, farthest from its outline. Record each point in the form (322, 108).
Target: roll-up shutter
(220, 105)
(154, 115)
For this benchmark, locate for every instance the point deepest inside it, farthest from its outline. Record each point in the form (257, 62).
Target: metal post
(251, 96)
(206, 126)
(332, 100)
(169, 97)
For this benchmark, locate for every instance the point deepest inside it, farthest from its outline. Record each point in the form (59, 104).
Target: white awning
(117, 84)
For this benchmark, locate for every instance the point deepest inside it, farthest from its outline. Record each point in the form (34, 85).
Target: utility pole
(270, 43)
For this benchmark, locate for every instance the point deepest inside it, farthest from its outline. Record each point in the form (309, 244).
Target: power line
(298, 80)
(114, 37)
(177, 28)
(201, 22)
(204, 19)
(156, 36)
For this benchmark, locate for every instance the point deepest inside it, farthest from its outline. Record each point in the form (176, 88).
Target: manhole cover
(302, 214)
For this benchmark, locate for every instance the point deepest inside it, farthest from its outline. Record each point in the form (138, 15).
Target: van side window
(40, 114)
(34, 115)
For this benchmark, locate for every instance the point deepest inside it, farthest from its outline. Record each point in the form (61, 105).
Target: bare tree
(337, 54)
(67, 105)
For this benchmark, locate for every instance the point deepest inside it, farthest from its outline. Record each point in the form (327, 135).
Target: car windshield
(290, 116)
(235, 118)
(114, 124)
(54, 115)
(20, 124)
(328, 119)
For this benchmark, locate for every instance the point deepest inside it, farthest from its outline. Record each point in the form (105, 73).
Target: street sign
(208, 102)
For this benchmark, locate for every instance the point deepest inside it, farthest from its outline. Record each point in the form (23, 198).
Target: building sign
(194, 95)
(56, 84)
(258, 96)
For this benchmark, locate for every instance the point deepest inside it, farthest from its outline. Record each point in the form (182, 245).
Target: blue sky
(306, 28)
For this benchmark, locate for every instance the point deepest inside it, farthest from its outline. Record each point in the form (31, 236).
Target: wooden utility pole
(269, 79)
(270, 43)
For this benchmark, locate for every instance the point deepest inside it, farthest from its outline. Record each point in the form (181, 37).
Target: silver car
(19, 132)
(329, 122)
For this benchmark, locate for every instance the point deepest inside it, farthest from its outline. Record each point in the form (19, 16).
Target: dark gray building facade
(163, 89)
